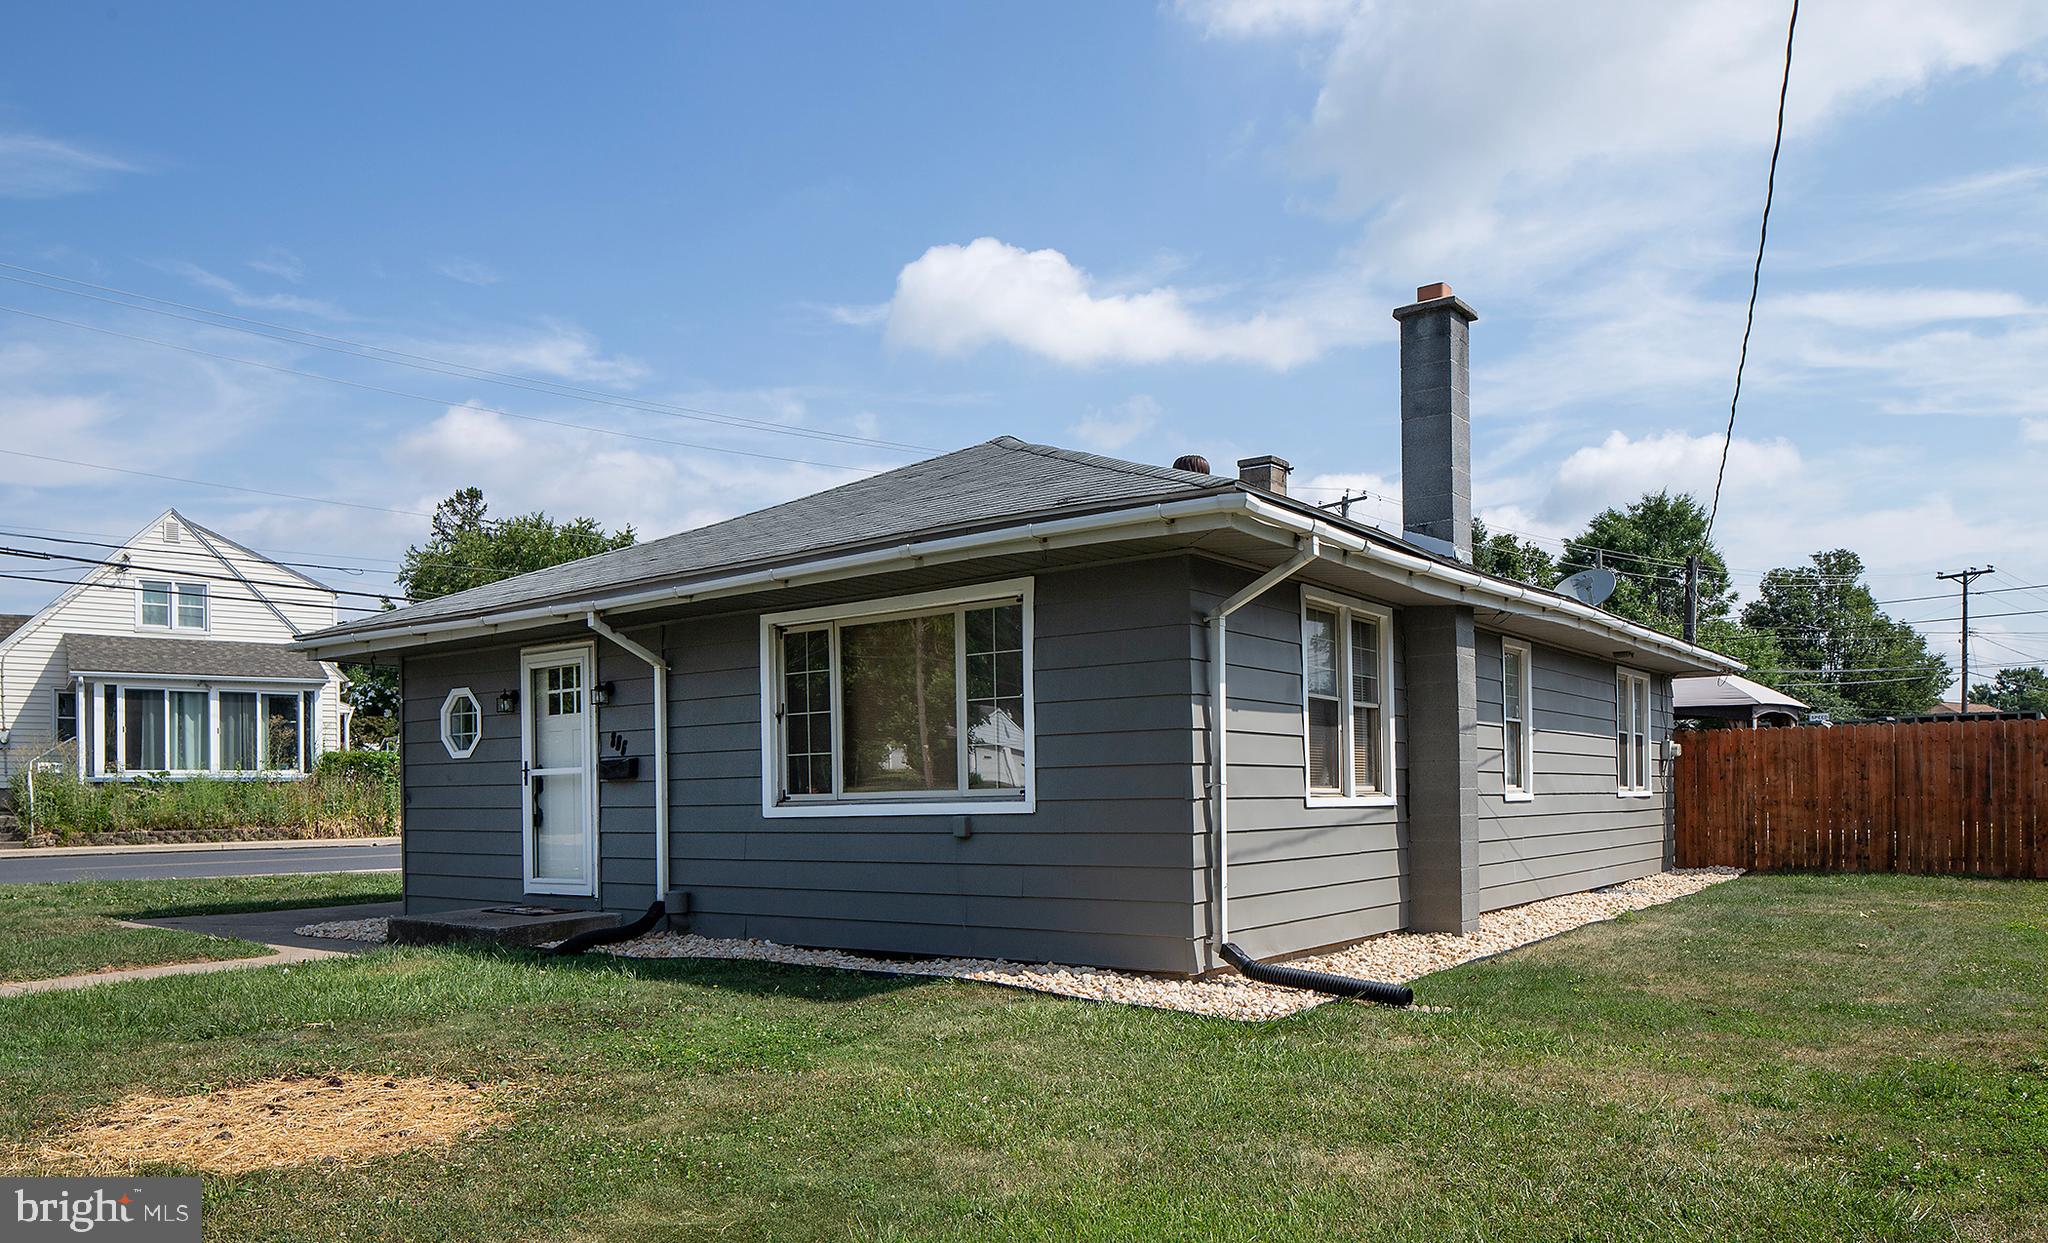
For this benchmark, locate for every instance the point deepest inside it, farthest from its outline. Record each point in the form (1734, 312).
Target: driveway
(22, 866)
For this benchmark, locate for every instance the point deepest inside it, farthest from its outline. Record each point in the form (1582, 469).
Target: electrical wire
(1756, 274)
(208, 483)
(79, 582)
(438, 401)
(204, 576)
(438, 366)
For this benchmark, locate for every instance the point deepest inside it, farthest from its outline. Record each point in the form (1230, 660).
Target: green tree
(1646, 545)
(1498, 552)
(468, 549)
(1839, 651)
(2014, 690)
(372, 690)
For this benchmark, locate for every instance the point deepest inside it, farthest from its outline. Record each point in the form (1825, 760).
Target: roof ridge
(1102, 461)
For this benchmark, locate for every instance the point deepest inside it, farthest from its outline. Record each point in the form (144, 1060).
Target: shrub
(342, 799)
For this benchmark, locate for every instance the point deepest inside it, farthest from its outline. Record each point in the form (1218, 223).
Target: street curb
(147, 848)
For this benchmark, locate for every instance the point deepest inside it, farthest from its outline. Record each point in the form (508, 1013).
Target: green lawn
(52, 930)
(1779, 1057)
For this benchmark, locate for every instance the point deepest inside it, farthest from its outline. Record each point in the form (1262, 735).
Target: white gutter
(1239, 510)
(661, 792)
(1219, 722)
(1459, 584)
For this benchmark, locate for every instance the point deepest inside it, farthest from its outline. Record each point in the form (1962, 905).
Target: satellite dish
(1589, 586)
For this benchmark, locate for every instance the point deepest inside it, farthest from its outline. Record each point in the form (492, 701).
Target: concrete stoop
(505, 924)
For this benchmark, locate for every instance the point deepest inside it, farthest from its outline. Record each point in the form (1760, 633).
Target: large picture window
(183, 731)
(1347, 668)
(1632, 732)
(1518, 749)
(920, 703)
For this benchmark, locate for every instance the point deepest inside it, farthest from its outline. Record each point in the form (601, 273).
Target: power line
(439, 366)
(438, 401)
(301, 565)
(1756, 274)
(36, 555)
(75, 582)
(207, 483)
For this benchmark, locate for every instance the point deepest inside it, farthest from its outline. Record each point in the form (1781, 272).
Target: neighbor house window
(1346, 671)
(1518, 754)
(462, 723)
(240, 744)
(919, 703)
(67, 715)
(1632, 732)
(167, 605)
(283, 741)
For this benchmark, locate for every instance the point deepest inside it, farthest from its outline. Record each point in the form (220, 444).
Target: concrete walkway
(271, 928)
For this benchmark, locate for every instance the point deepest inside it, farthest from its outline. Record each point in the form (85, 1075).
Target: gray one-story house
(969, 707)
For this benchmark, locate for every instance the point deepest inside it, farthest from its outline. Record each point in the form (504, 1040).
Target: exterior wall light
(601, 694)
(508, 702)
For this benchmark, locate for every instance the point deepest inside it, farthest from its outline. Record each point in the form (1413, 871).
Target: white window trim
(175, 584)
(1622, 788)
(447, 741)
(540, 657)
(107, 767)
(1346, 605)
(1521, 793)
(938, 803)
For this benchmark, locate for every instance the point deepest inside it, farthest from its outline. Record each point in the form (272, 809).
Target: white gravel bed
(1396, 957)
(375, 930)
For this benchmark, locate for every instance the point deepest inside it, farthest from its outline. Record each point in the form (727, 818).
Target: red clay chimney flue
(1430, 293)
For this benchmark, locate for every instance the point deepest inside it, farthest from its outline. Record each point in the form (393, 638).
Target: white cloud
(854, 314)
(242, 297)
(469, 272)
(1622, 467)
(35, 167)
(281, 263)
(2035, 430)
(1110, 431)
(1900, 308)
(955, 299)
(1257, 18)
(556, 349)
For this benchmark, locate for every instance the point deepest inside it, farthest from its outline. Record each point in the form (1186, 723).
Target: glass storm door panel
(559, 754)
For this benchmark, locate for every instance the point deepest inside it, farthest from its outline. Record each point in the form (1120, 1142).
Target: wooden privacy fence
(1961, 797)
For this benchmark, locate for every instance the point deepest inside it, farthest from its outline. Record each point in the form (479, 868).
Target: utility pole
(1965, 578)
(1692, 598)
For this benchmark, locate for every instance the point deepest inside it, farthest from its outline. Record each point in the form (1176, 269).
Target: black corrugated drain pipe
(605, 936)
(1317, 981)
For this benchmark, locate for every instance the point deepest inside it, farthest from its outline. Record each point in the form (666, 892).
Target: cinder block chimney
(1266, 472)
(1436, 420)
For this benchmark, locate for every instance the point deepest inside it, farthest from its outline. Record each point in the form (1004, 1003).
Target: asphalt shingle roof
(195, 658)
(998, 482)
(11, 622)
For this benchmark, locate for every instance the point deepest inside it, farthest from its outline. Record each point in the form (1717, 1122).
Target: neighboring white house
(171, 658)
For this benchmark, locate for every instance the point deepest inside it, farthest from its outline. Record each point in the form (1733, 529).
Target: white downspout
(661, 793)
(1219, 732)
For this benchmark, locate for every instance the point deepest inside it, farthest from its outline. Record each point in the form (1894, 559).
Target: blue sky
(1141, 229)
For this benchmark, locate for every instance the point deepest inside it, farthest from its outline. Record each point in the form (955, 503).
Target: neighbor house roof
(1729, 691)
(1003, 490)
(11, 622)
(188, 658)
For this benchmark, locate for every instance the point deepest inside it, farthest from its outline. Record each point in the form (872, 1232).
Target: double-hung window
(168, 605)
(914, 704)
(1632, 733)
(1346, 714)
(1518, 749)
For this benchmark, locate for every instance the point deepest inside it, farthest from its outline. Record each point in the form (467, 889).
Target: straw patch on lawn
(275, 1123)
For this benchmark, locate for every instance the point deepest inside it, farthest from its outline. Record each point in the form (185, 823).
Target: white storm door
(559, 756)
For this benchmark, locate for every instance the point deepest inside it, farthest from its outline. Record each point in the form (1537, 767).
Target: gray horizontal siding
(1300, 876)
(1578, 833)
(1106, 870)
